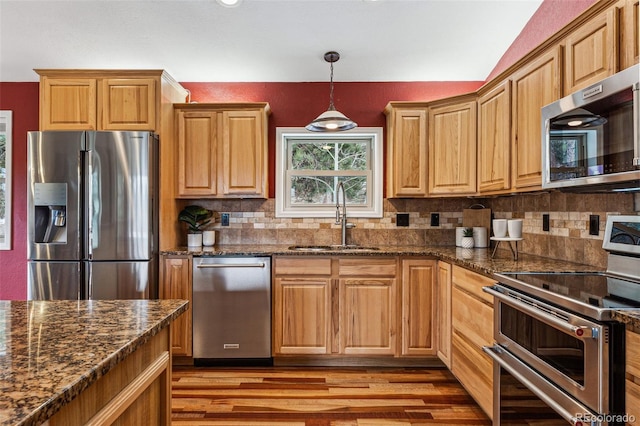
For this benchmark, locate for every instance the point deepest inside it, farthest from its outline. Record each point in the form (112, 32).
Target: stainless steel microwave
(591, 140)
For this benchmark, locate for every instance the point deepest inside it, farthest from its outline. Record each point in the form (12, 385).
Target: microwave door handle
(580, 332)
(636, 124)
(495, 353)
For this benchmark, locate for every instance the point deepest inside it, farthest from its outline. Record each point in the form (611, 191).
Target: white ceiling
(263, 40)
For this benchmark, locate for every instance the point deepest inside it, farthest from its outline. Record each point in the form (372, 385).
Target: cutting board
(476, 217)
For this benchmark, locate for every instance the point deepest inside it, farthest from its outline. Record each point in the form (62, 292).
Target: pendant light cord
(331, 106)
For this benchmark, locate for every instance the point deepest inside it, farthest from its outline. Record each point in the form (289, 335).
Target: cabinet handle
(230, 265)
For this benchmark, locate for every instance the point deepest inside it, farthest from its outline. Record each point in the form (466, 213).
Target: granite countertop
(50, 351)
(477, 259)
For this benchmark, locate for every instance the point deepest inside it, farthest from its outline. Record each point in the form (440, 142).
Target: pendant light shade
(331, 120)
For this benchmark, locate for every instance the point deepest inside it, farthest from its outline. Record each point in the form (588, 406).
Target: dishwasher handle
(231, 265)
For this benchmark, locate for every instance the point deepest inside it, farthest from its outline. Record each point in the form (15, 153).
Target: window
(310, 165)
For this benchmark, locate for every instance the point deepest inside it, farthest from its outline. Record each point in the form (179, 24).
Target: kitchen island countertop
(50, 351)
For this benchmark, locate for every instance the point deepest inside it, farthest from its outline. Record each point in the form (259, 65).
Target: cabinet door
(444, 312)
(197, 153)
(127, 104)
(418, 307)
(244, 154)
(367, 316)
(68, 104)
(407, 153)
(629, 34)
(590, 52)
(301, 315)
(534, 86)
(175, 283)
(632, 357)
(452, 149)
(494, 139)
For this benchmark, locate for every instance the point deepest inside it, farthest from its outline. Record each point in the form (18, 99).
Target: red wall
(22, 99)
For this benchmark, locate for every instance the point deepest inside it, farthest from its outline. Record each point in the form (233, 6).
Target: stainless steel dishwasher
(231, 309)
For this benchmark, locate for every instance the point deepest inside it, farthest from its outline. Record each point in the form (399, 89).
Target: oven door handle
(578, 331)
(497, 353)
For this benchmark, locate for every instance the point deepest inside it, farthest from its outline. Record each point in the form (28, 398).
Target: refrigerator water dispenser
(50, 215)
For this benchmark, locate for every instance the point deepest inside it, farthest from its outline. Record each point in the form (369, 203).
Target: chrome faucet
(341, 219)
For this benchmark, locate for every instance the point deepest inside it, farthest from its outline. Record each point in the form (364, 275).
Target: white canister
(194, 240)
(459, 235)
(499, 228)
(514, 227)
(208, 238)
(480, 236)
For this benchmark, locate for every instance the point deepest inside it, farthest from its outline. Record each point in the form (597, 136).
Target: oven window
(561, 351)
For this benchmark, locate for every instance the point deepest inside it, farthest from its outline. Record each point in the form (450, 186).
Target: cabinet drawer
(367, 267)
(471, 318)
(474, 370)
(306, 265)
(472, 282)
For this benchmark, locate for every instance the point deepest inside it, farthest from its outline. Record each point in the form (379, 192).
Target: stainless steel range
(559, 355)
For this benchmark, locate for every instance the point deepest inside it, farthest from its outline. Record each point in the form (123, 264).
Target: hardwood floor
(291, 396)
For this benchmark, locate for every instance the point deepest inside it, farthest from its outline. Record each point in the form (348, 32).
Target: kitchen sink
(337, 247)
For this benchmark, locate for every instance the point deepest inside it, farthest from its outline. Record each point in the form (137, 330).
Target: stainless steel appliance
(232, 309)
(591, 138)
(92, 215)
(557, 345)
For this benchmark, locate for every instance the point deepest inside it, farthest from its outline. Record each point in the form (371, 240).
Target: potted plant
(196, 217)
(467, 238)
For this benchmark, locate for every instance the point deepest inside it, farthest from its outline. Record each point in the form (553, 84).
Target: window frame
(373, 209)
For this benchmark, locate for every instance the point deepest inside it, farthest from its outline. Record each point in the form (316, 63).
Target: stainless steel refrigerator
(92, 215)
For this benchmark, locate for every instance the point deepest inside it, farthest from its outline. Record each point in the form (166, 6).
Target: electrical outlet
(594, 224)
(402, 219)
(224, 219)
(435, 219)
(545, 222)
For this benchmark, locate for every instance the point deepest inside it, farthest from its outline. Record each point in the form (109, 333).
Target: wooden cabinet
(471, 329)
(302, 305)
(105, 99)
(494, 139)
(418, 307)
(222, 150)
(534, 86)
(443, 309)
(175, 283)
(629, 18)
(353, 306)
(633, 374)
(406, 149)
(137, 391)
(452, 147)
(367, 306)
(590, 52)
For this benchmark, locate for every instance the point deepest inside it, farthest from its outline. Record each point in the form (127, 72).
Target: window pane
(321, 189)
(329, 155)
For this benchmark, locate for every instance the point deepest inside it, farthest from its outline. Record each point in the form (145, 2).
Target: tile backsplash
(254, 222)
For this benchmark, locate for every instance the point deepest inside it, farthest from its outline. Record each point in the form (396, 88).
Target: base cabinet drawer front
(366, 267)
(367, 316)
(474, 370)
(472, 318)
(633, 375)
(472, 283)
(302, 315)
(303, 266)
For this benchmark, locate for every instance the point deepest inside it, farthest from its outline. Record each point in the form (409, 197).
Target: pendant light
(331, 120)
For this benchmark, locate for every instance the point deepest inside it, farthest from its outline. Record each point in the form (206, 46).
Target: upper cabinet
(105, 99)
(406, 149)
(629, 34)
(534, 85)
(452, 146)
(494, 139)
(222, 150)
(590, 52)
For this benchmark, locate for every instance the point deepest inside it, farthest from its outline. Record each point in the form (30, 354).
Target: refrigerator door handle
(93, 203)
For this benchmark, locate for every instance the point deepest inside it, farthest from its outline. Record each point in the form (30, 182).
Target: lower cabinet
(175, 283)
(471, 329)
(443, 302)
(632, 403)
(353, 306)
